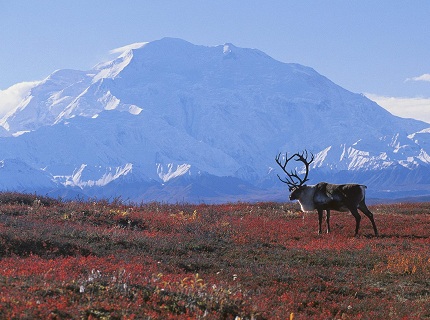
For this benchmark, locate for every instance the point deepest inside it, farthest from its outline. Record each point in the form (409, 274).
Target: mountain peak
(168, 110)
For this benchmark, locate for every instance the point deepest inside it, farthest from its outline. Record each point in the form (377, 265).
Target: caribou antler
(292, 179)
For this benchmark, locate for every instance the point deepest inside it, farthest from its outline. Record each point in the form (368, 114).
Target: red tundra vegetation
(110, 260)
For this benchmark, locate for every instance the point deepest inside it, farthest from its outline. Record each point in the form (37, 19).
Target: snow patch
(226, 49)
(343, 152)
(17, 134)
(111, 174)
(134, 110)
(67, 112)
(109, 177)
(321, 156)
(109, 101)
(424, 156)
(409, 163)
(171, 171)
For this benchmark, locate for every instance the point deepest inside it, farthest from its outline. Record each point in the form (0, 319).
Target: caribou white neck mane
(307, 199)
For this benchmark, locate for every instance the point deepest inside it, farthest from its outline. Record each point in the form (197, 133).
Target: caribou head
(324, 196)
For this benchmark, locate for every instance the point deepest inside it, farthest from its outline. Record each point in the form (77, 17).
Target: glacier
(172, 121)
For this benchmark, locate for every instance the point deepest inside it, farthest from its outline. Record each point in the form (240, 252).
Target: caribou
(324, 196)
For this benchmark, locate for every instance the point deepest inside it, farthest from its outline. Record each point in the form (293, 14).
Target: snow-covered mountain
(172, 121)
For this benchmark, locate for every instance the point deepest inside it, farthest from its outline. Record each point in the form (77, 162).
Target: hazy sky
(374, 47)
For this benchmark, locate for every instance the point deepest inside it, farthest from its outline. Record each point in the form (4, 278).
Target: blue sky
(380, 48)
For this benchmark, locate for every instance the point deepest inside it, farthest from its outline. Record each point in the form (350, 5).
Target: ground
(110, 260)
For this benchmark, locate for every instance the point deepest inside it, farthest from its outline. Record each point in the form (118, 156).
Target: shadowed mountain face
(172, 121)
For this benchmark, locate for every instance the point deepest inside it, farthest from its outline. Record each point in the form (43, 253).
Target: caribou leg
(328, 220)
(357, 217)
(363, 208)
(320, 217)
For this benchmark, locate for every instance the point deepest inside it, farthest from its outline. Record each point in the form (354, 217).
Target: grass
(102, 260)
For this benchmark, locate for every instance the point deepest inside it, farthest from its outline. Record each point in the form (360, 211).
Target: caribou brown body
(325, 196)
